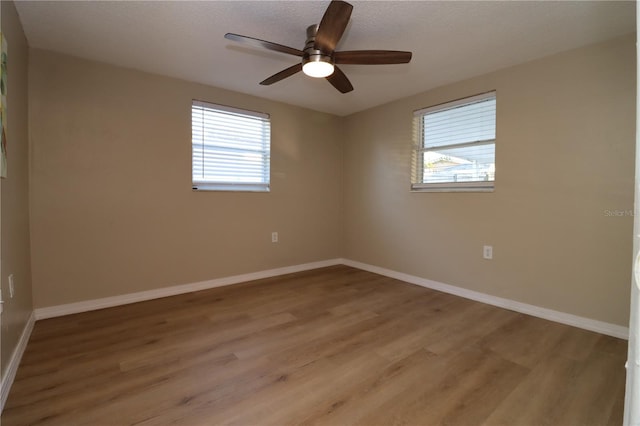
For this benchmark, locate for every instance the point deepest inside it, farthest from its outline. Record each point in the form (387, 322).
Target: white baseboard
(14, 362)
(108, 302)
(536, 311)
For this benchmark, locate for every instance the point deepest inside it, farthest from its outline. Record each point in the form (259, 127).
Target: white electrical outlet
(11, 289)
(487, 252)
(274, 237)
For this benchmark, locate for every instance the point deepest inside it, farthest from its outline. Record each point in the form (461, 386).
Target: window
(455, 145)
(230, 148)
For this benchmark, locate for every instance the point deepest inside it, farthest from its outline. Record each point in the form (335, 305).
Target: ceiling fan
(319, 57)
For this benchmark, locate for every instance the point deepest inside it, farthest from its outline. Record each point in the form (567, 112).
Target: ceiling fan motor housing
(311, 54)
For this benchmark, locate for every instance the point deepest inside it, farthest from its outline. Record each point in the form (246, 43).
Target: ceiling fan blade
(256, 42)
(340, 81)
(282, 75)
(372, 57)
(332, 26)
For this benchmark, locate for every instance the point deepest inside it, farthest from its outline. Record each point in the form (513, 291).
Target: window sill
(449, 187)
(231, 187)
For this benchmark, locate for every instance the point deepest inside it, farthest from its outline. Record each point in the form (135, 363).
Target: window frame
(210, 185)
(417, 162)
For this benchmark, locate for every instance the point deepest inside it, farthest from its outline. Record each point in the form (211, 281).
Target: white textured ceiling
(450, 41)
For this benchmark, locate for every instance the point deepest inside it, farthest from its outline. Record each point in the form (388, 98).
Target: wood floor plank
(525, 340)
(588, 405)
(351, 404)
(599, 379)
(464, 390)
(332, 346)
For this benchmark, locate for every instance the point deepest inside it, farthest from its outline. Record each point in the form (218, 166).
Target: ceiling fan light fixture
(318, 69)
(318, 66)
(319, 55)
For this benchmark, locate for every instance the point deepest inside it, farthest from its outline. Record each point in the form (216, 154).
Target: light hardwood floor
(333, 346)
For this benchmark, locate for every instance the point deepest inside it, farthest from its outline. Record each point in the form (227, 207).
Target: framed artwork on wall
(3, 105)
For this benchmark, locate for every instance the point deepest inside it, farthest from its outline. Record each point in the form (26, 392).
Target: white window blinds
(455, 145)
(230, 148)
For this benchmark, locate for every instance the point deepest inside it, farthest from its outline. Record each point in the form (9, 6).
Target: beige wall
(14, 227)
(565, 155)
(113, 211)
